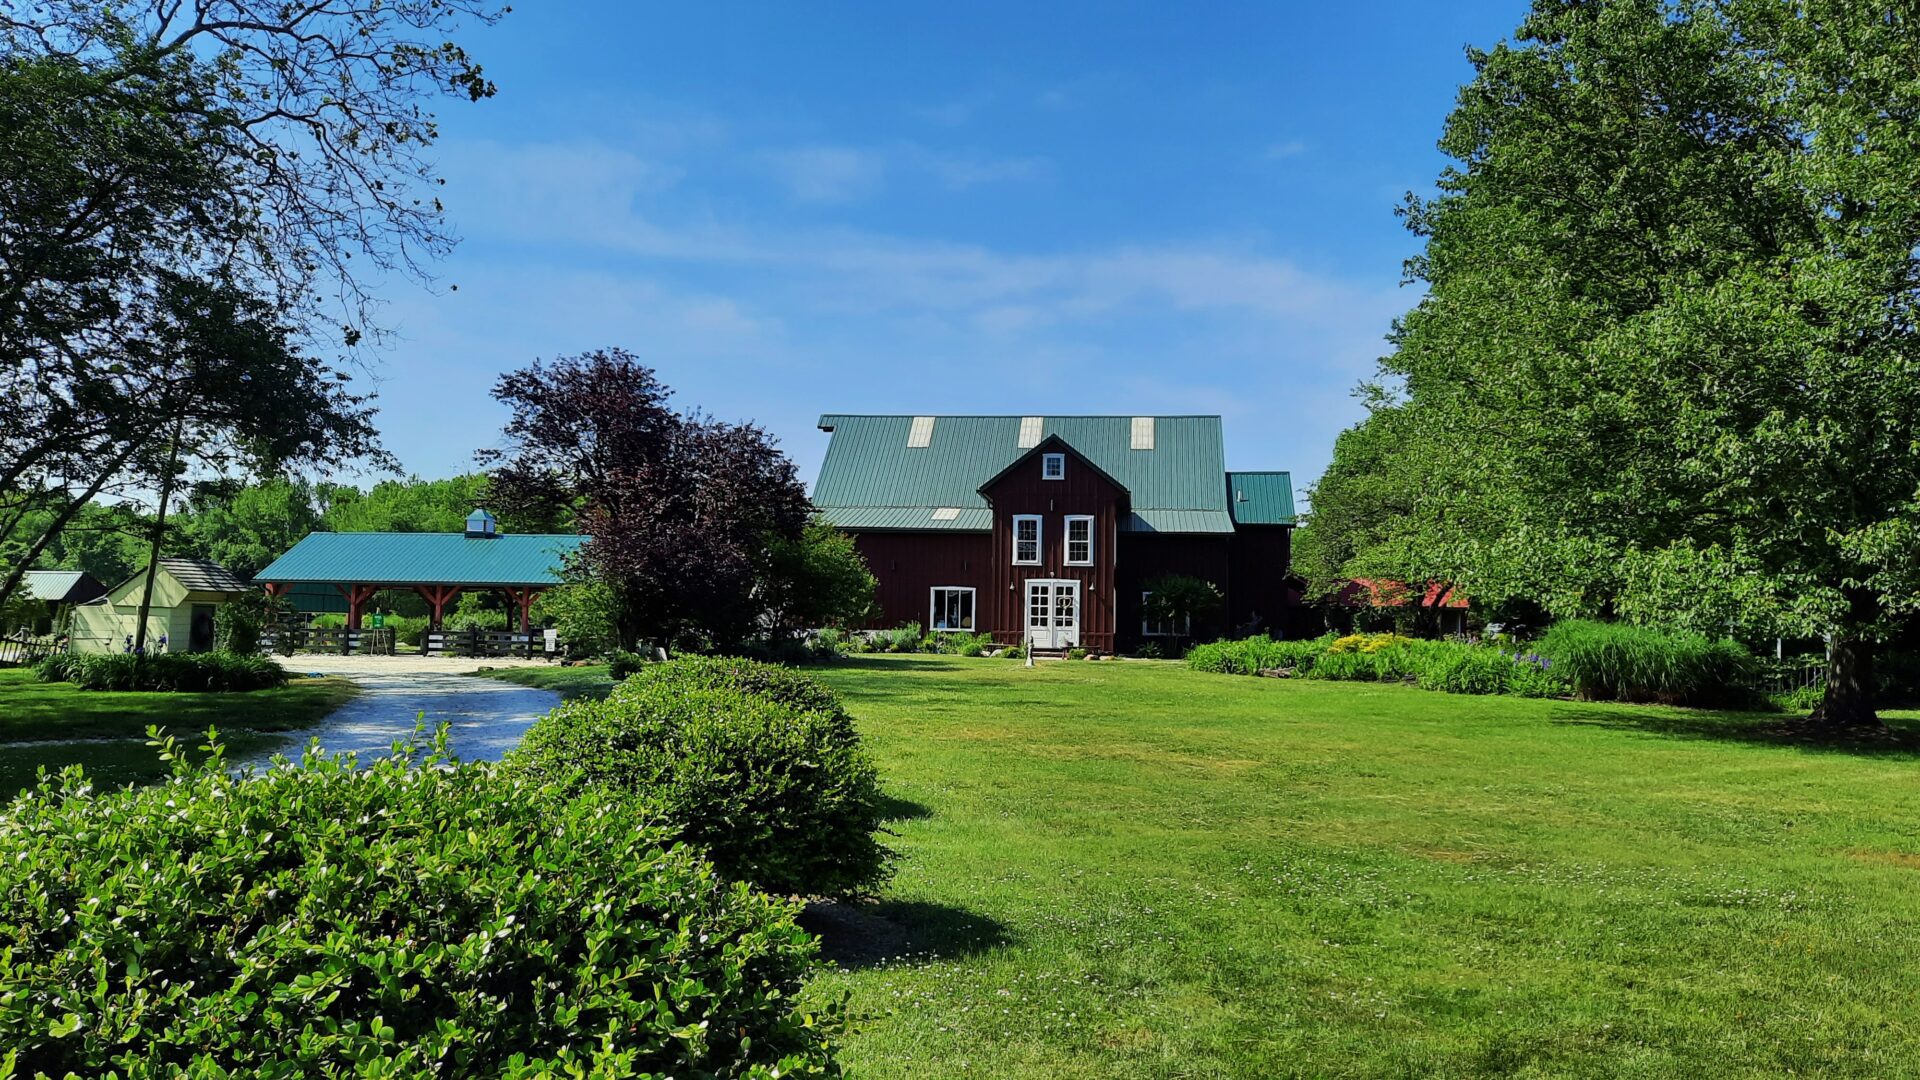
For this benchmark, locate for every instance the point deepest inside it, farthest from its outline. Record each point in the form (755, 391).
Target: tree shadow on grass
(1900, 738)
(893, 809)
(857, 935)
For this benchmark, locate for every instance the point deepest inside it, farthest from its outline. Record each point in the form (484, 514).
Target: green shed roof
(423, 559)
(1261, 498)
(873, 478)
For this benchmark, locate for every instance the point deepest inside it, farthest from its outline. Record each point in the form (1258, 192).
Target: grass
(1133, 870)
(110, 726)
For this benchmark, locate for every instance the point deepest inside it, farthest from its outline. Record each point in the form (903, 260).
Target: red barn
(1053, 525)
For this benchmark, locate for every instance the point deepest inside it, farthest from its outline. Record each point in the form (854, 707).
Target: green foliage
(900, 639)
(754, 764)
(471, 612)
(1798, 700)
(180, 672)
(1013, 652)
(1150, 650)
(1188, 605)
(1664, 364)
(583, 614)
(623, 663)
(1451, 666)
(417, 917)
(1076, 654)
(243, 527)
(1622, 662)
(410, 505)
(1250, 656)
(239, 622)
(817, 579)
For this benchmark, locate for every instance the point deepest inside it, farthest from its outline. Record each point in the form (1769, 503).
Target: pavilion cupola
(482, 526)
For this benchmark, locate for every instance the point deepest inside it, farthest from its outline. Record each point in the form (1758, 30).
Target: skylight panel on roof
(1143, 433)
(1030, 431)
(946, 513)
(921, 433)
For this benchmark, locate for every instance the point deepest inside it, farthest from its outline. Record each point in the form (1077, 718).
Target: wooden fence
(20, 649)
(484, 643)
(369, 641)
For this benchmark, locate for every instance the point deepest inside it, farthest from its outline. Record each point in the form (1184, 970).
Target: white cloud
(751, 318)
(829, 174)
(1281, 150)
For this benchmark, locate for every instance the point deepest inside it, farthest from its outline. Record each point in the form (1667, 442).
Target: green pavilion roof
(423, 559)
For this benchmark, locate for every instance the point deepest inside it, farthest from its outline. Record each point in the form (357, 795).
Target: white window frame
(1039, 539)
(1066, 540)
(1053, 466)
(934, 607)
(1146, 624)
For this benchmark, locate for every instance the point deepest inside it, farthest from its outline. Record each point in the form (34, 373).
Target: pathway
(487, 717)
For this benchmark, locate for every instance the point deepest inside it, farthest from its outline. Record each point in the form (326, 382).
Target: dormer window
(1053, 466)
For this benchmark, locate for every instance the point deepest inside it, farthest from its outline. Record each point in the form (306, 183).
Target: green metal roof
(423, 559)
(1260, 498)
(869, 468)
(916, 518)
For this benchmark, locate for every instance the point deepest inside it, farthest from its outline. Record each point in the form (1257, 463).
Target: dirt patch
(1905, 859)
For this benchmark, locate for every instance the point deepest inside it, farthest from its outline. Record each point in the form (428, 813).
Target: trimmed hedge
(1622, 662)
(419, 917)
(754, 764)
(1250, 656)
(181, 672)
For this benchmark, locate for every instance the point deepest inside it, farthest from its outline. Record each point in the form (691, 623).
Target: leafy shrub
(582, 614)
(329, 620)
(1344, 667)
(1013, 652)
(190, 672)
(407, 629)
(1463, 669)
(1250, 656)
(624, 663)
(756, 765)
(1150, 650)
(1622, 662)
(1800, 699)
(1076, 653)
(316, 919)
(60, 667)
(957, 644)
(902, 639)
(831, 639)
(1368, 643)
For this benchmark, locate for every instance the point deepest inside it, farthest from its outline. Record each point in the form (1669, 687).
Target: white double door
(1053, 613)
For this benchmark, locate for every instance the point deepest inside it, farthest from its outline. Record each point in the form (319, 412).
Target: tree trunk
(1849, 701)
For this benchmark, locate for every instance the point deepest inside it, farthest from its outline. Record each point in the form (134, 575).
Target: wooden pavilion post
(524, 598)
(357, 597)
(437, 598)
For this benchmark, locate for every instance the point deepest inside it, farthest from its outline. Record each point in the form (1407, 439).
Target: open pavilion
(438, 566)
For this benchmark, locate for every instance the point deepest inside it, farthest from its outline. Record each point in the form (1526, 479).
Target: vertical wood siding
(1084, 492)
(908, 564)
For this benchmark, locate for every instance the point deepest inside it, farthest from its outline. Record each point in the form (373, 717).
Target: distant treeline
(244, 526)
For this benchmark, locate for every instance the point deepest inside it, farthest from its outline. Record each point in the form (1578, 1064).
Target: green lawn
(113, 724)
(1128, 869)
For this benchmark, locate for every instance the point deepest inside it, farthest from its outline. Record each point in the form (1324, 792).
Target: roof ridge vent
(1030, 428)
(1143, 433)
(920, 435)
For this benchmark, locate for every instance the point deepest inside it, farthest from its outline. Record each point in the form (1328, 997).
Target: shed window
(1026, 540)
(1161, 627)
(952, 608)
(1079, 540)
(1053, 466)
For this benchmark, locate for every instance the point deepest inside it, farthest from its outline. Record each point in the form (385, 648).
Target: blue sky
(993, 207)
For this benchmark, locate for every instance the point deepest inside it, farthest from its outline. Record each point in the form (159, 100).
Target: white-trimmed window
(1026, 540)
(1079, 540)
(951, 608)
(1150, 627)
(1053, 466)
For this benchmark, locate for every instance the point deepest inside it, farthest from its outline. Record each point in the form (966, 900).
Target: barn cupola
(482, 525)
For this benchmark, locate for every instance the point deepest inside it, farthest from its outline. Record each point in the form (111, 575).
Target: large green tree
(1666, 367)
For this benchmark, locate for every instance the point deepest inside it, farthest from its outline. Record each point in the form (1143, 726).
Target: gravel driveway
(487, 716)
